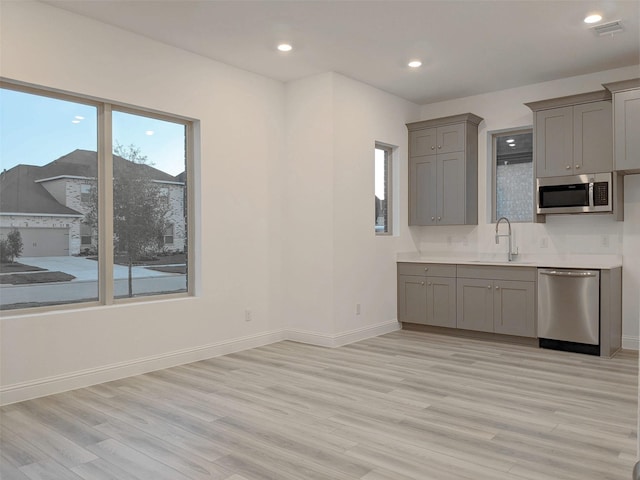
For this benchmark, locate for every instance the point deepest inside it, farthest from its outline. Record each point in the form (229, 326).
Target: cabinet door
(626, 125)
(441, 301)
(451, 189)
(412, 299)
(423, 142)
(422, 190)
(451, 138)
(475, 304)
(592, 138)
(514, 308)
(554, 142)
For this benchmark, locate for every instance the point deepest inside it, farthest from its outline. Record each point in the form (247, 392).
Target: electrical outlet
(357, 309)
(248, 316)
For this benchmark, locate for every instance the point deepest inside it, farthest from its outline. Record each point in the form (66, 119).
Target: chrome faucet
(511, 252)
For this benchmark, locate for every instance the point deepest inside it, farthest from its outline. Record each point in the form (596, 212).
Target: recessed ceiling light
(510, 140)
(285, 47)
(79, 117)
(512, 144)
(415, 63)
(593, 18)
(75, 121)
(149, 132)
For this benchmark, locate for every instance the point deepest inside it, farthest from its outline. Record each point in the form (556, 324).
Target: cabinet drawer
(427, 269)
(490, 272)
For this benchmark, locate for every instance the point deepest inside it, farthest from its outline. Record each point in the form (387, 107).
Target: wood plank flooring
(407, 405)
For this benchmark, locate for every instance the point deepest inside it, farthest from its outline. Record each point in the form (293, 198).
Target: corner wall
(333, 259)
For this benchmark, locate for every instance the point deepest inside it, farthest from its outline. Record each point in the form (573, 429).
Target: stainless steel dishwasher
(569, 310)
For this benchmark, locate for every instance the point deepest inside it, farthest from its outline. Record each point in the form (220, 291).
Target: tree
(139, 208)
(11, 247)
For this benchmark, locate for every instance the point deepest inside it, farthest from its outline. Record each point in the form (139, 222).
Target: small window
(513, 180)
(85, 235)
(168, 235)
(383, 155)
(164, 194)
(85, 193)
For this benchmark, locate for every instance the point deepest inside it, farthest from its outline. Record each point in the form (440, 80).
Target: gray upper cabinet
(443, 171)
(626, 121)
(573, 135)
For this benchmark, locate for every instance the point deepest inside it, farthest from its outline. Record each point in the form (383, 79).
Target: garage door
(42, 242)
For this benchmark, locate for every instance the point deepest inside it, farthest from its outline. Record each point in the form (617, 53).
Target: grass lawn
(16, 267)
(37, 277)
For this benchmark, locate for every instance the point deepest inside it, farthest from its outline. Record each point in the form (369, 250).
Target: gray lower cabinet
(427, 294)
(497, 299)
(475, 304)
(514, 305)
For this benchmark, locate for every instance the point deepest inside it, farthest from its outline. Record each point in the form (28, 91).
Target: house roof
(84, 163)
(20, 194)
(21, 191)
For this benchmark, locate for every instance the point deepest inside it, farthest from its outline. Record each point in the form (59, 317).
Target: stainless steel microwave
(575, 194)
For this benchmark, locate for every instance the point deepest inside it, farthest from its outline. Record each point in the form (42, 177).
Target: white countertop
(522, 260)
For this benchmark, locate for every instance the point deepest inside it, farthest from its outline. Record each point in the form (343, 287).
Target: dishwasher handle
(565, 273)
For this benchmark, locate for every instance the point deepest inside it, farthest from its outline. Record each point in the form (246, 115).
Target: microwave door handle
(591, 202)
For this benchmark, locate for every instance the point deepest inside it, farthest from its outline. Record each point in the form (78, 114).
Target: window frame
(170, 227)
(105, 279)
(388, 159)
(493, 171)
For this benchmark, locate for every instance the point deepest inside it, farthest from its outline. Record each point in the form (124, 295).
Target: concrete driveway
(84, 288)
(85, 269)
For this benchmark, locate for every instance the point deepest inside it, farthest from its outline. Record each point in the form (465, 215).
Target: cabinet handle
(497, 288)
(433, 147)
(422, 283)
(439, 218)
(568, 167)
(429, 283)
(489, 287)
(433, 218)
(577, 167)
(439, 147)
(426, 269)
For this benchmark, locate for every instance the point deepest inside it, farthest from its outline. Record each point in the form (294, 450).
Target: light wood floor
(407, 405)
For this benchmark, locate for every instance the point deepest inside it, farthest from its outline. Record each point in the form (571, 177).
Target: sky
(36, 130)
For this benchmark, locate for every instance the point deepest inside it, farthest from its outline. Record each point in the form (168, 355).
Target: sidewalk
(84, 269)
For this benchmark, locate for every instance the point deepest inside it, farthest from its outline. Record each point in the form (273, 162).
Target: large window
(513, 176)
(382, 158)
(90, 194)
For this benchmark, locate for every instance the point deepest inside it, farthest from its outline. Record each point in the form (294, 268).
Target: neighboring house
(47, 204)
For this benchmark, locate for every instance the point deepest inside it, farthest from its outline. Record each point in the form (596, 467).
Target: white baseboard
(85, 378)
(630, 343)
(344, 338)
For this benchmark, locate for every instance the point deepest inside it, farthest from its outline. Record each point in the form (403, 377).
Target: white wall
(564, 234)
(238, 180)
(332, 257)
(365, 264)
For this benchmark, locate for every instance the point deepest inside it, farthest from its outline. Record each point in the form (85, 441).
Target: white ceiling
(467, 47)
